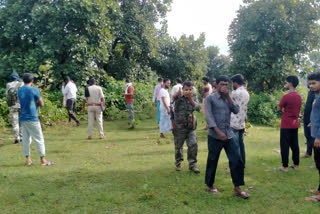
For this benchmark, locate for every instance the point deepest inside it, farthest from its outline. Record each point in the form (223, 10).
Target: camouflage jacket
(182, 110)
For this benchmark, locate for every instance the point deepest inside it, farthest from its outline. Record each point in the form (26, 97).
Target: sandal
(315, 198)
(29, 163)
(213, 190)
(48, 163)
(241, 194)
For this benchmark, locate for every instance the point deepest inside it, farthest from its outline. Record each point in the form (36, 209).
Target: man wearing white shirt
(239, 96)
(69, 90)
(156, 97)
(165, 122)
(176, 88)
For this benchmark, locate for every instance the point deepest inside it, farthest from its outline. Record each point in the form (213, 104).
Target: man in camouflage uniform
(185, 103)
(15, 107)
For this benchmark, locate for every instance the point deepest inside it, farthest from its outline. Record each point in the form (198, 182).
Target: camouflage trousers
(181, 135)
(14, 116)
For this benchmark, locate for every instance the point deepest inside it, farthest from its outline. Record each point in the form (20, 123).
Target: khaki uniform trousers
(95, 112)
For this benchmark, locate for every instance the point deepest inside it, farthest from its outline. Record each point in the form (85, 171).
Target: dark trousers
(238, 138)
(71, 106)
(289, 139)
(235, 163)
(309, 138)
(317, 161)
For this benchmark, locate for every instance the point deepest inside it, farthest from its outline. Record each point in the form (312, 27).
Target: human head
(205, 80)
(27, 78)
(222, 83)
(314, 81)
(14, 76)
(67, 79)
(91, 81)
(160, 80)
(187, 87)
(237, 81)
(166, 83)
(291, 81)
(178, 80)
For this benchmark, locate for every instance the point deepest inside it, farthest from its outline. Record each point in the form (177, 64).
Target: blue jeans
(238, 138)
(310, 140)
(235, 163)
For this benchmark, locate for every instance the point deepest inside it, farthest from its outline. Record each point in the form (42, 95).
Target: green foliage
(218, 64)
(4, 113)
(262, 109)
(269, 38)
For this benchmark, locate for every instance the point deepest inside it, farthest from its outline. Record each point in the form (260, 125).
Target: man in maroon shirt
(129, 96)
(290, 105)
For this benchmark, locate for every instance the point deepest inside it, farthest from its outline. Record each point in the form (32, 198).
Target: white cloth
(32, 131)
(96, 94)
(164, 93)
(241, 97)
(156, 93)
(70, 91)
(175, 89)
(127, 86)
(165, 122)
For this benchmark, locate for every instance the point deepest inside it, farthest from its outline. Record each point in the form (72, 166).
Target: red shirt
(129, 98)
(291, 103)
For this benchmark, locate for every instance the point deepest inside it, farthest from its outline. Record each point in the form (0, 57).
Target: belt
(94, 104)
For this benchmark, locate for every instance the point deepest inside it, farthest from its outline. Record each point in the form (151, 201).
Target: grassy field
(132, 171)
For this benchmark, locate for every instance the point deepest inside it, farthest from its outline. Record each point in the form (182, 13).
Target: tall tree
(267, 39)
(218, 63)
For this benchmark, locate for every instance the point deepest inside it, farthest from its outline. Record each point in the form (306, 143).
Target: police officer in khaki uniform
(14, 105)
(96, 104)
(185, 124)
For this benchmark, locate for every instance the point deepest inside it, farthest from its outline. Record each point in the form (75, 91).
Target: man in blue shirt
(30, 99)
(306, 122)
(314, 83)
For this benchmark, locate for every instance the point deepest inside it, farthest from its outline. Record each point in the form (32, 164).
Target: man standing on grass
(96, 104)
(69, 90)
(290, 105)
(306, 122)
(165, 121)
(14, 105)
(156, 97)
(30, 99)
(219, 106)
(314, 83)
(129, 96)
(240, 97)
(185, 124)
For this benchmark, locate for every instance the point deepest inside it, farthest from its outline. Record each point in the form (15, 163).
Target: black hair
(127, 80)
(160, 79)
(91, 81)
(293, 80)
(238, 78)
(222, 78)
(27, 78)
(314, 76)
(165, 80)
(188, 83)
(66, 79)
(178, 80)
(205, 79)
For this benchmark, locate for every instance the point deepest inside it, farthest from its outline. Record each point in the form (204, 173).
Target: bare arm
(40, 102)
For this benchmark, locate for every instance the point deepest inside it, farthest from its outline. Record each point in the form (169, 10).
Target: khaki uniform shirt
(96, 94)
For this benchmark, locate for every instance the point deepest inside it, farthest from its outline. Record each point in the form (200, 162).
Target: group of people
(225, 113)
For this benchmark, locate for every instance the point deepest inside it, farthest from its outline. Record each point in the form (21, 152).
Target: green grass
(133, 171)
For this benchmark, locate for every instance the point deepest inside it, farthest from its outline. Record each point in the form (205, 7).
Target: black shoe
(78, 123)
(16, 141)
